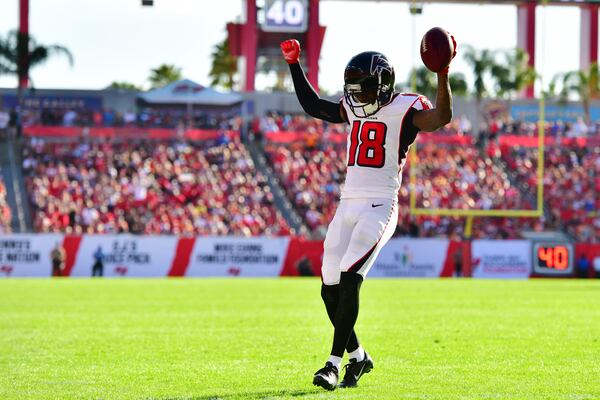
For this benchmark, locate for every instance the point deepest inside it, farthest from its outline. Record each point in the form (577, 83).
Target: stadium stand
(149, 187)
(312, 178)
(147, 117)
(450, 176)
(571, 185)
(116, 187)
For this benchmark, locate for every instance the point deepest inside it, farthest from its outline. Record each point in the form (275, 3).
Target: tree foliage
(14, 44)
(224, 66)
(163, 75)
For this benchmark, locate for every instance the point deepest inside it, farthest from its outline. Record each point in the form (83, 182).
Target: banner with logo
(125, 255)
(237, 256)
(553, 112)
(501, 259)
(27, 255)
(414, 258)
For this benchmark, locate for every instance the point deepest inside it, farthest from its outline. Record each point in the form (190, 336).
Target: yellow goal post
(471, 213)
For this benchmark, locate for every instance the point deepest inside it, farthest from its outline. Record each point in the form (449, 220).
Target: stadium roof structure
(186, 91)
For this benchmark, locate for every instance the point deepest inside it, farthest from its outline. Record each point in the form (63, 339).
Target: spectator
(98, 267)
(4, 120)
(58, 256)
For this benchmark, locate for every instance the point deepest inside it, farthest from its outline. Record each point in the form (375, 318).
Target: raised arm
(435, 118)
(309, 99)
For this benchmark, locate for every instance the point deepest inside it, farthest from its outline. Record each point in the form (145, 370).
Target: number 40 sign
(285, 16)
(553, 258)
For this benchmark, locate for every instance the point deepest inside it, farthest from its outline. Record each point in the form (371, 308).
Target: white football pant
(358, 231)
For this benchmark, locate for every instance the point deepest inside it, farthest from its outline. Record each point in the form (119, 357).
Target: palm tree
(125, 86)
(512, 74)
(163, 75)
(458, 83)
(426, 83)
(14, 44)
(551, 91)
(224, 66)
(19, 53)
(268, 64)
(583, 84)
(482, 62)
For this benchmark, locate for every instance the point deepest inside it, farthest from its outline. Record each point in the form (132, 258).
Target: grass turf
(263, 339)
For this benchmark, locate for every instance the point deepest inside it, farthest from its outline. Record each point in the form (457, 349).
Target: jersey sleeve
(422, 103)
(343, 112)
(409, 130)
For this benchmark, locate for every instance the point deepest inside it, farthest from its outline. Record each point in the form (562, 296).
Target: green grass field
(263, 339)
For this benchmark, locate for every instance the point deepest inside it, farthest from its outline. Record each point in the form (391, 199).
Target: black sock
(331, 297)
(347, 311)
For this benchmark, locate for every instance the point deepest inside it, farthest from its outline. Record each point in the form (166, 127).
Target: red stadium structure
(24, 31)
(249, 39)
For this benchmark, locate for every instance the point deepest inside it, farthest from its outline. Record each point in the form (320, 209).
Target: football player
(383, 124)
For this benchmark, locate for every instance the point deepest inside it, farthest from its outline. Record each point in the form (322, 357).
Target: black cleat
(327, 377)
(355, 369)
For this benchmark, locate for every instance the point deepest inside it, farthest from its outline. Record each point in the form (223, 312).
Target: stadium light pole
(22, 61)
(415, 9)
(542, 118)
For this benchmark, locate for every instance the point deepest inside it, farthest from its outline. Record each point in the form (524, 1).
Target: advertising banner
(237, 256)
(304, 258)
(418, 258)
(27, 255)
(501, 259)
(40, 102)
(125, 255)
(553, 112)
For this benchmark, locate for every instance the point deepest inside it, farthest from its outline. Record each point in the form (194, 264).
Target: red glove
(447, 69)
(291, 50)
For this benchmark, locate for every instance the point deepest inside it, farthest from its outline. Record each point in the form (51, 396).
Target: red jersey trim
(401, 128)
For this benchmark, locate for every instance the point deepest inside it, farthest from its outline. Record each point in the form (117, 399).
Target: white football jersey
(376, 151)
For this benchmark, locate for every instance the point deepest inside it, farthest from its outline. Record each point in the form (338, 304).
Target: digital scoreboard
(553, 258)
(285, 16)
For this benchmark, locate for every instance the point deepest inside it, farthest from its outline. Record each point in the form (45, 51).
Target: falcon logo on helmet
(368, 83)
(379, 64)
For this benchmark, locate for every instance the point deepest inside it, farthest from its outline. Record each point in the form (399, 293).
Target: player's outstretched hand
(291, 50)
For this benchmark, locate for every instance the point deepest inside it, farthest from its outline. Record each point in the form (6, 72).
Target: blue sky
(120, 40)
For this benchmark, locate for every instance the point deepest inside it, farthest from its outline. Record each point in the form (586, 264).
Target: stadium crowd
(571, 185)
(448, 177)
(311, 178)
(495, 127)
(144, 118)
(151, 188)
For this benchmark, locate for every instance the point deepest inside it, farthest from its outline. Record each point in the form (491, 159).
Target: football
(436, 49)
